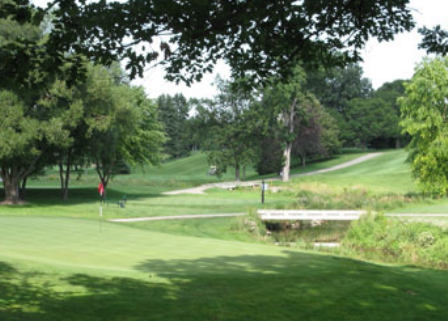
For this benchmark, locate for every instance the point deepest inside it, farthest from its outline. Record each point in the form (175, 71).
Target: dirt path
(226, 185)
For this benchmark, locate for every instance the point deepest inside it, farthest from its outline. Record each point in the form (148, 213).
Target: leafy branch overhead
(258, 39)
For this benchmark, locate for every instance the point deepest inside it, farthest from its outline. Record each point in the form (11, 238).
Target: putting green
(78, 243)
(66, 269)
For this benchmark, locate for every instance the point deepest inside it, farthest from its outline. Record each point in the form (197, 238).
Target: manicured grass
(388, 173)
(56, 264)
(65, 269)
(177, 174)
(143, 190)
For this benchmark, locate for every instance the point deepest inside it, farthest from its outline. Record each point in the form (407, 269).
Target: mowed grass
(66, 269)
(144, 189)
(387, 173)
(56, 263)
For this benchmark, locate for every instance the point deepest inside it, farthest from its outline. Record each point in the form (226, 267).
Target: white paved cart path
(201, 189)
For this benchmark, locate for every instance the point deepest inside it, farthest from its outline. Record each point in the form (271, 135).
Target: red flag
(101, 189)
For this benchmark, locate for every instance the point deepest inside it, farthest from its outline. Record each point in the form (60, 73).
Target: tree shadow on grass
(44, 197)
(296, 286)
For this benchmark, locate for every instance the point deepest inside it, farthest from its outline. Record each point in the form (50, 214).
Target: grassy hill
(143, 189)
(387, 173)
(57, 264)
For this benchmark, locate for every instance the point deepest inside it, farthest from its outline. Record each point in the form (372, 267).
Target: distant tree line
(311, 115)
(365, 117)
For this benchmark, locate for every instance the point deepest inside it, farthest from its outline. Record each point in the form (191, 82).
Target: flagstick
(102, 191)
(101, 217)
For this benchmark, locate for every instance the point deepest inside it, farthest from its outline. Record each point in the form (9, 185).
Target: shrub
(251, 224)
(321, 196)
(391, 240)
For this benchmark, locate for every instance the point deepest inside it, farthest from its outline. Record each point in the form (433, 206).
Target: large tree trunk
(287, 160)
(12, 177)
(303, 159)
(237, 173)
(65, 174)
(104, 175)
(22, 191)
(288, 118)
(11, 187)
(397, 142)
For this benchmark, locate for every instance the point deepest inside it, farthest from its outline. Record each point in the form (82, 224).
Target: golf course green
(58, 263)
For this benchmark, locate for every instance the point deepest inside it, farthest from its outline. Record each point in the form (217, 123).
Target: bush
(320, 196)
(250, 224)
(377, 237)
(271, 157)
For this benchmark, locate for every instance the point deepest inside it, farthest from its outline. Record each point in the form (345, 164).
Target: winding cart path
(226, 185)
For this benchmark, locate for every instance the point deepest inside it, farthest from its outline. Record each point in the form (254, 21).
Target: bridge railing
(310, 215)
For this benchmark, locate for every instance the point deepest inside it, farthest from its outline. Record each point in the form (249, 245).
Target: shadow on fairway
(297, 286)
(44, 197)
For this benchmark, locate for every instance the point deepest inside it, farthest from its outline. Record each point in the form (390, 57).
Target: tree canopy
(228, 123)
(174, 113)
(256, 38)
(424, 113)
(335, 87)
(434, 40)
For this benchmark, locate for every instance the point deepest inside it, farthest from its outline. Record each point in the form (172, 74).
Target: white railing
(309, 215)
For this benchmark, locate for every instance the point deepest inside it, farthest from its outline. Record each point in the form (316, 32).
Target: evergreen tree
(390, 92)
(174, 114)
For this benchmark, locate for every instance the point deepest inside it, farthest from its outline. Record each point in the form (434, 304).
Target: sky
(382, 62)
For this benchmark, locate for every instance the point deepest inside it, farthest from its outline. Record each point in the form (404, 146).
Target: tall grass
(391, 240)
(302, 234)
(323, 196)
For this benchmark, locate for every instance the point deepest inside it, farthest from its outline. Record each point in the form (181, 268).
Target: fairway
(66, 269)
(58, 263)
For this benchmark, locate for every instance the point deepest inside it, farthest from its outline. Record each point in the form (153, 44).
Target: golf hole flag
(101, 189)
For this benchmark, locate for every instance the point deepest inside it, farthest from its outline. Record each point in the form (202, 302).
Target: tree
(330, 134)
(121, 125)
(257, 38)
(270, 157)
(288, 99)
(27, 132)
(434, 40)
(268, 138)
(174, 113)
(316, 133)
(424, 117)
(370, 119)
(36, 105)
(390, 92)
(28, 62)
(62, 99)
(228, 120)
(335, 87)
